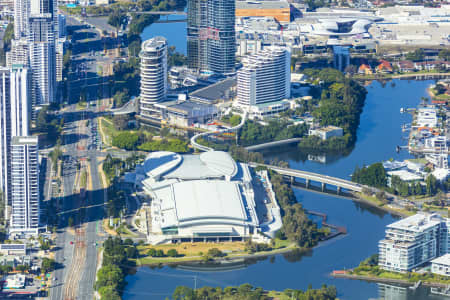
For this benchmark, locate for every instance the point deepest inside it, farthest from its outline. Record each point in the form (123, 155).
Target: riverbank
(399, 76)
(373, 201)
(345, 275)
(239, 253)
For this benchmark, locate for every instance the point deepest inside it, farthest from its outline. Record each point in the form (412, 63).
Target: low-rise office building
(441, 265)
(13, 249)
(186, 113)
(327, 132)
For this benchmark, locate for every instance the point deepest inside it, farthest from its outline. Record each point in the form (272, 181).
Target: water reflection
(395, 292)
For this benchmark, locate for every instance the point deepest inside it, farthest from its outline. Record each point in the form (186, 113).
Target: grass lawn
(378, 203)
(194, 249)
(81, 105)
(391, 275)
(107, 131)
(83, 179)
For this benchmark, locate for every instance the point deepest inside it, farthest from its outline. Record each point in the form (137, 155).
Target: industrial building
(279, 10)
(413, 241)
(204, 197)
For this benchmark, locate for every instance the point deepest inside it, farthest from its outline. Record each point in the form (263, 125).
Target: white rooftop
(187, 202)
(405, 175)
(208, 165)
(201, 199)
(442, 260)
(160, 162)
(417, 223)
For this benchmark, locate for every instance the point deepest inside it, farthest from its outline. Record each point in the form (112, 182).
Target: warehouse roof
(214, 92)
(261, 4)
(202, 199)
(192, 202)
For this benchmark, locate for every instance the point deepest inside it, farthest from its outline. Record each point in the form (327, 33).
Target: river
(378, 135)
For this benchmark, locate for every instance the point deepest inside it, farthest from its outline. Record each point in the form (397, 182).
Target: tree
(126, 140)
(48, 265)
(176, 58)
(444, 54)
(70, 222)
(5, 269)
(172, 253)
(45, 244)
(416, 55)
(110, 275)
(351, 69)
(120, 98)
(373, 175)
(132, 252)
(214, 252)
(151, 252)
(183, 293)
(8, 36)
(381, 195)
(22, 268)
(109, 293)
(117, 19)
(431, 185)
(128, 242)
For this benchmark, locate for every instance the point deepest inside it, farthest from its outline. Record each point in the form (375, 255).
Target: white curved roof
(220, 162)
(160, 162)
(329, 26)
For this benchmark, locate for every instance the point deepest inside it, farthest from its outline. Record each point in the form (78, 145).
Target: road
(76, 247)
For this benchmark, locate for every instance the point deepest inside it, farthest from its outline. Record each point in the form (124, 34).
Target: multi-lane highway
(76, 246)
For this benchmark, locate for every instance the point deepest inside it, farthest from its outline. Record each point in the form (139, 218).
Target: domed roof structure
(220, 162)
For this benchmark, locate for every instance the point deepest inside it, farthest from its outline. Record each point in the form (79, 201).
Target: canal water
(378, 135)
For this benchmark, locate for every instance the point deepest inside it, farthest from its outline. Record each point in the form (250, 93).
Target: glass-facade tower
(211, 40)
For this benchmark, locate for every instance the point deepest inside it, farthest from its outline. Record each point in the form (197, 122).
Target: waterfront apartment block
(265, 78)
(413, 241)
(154, 84)
(24, 185)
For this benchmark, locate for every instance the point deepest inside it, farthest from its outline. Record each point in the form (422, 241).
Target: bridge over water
(310, 176)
